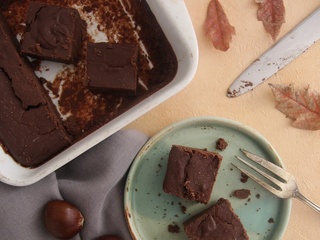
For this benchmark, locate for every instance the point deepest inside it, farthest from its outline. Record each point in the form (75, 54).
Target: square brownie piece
(191, 173)
(112, 68)
(53, 33)
(218, 222)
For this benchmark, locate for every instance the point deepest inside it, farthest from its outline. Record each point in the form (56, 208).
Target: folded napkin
(94, 182)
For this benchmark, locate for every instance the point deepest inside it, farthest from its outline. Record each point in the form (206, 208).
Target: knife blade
(297, 41)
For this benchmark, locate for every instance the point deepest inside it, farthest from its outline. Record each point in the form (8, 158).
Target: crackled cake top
(191, 173)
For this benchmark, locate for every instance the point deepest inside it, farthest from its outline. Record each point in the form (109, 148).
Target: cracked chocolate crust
(30, 127)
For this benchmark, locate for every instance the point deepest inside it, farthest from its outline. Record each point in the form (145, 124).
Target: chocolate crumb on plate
(221, 144)
(244, 178)
(241, 193)
(173, 228)
(183, 209)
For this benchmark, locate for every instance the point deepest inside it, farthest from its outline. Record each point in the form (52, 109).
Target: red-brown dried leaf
(301, 105)
(272, 15)
(217, 26)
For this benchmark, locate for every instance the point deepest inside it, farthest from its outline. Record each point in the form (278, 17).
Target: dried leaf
(217, 26)
(272, 15)
(301, 105)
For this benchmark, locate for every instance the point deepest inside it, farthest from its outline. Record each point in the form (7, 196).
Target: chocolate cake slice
(191, 173)
(112, 68)
(53, 32)
(218, 222)
(31, 129)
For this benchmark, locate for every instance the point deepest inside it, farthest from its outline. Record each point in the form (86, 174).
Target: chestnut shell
(62, 219)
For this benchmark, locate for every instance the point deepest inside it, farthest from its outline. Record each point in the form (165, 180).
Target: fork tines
(285, 188)
(276, 170)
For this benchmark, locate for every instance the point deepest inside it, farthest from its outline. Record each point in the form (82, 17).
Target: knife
(282, 53)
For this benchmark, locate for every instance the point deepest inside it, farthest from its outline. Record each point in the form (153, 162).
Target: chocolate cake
(112, 68)
(218, 222)
(191, 173)
(30, 127)
(83, 111)
(53, 33)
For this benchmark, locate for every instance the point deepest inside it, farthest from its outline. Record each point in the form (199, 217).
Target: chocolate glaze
(173, 228)
(244, 177)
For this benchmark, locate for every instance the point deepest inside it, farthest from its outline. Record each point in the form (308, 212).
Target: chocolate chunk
(53, 33)
(217, 222)
(112, 68)
(271, 220)
(191, 173)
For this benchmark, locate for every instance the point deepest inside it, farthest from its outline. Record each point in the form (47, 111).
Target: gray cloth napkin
(94, 182)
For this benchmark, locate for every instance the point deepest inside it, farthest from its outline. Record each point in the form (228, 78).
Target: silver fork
(286, 187)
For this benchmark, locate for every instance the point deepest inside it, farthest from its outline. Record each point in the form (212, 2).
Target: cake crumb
(221, 144)
(173, 228)
(271, 220)
(244, 178)
(241, 193)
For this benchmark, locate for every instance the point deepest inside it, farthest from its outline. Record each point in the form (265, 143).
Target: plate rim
(287, 203)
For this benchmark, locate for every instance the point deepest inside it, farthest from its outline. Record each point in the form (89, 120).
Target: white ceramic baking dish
(175, 21)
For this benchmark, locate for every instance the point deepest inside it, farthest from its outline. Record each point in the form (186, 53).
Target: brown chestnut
(62, 219)
(108, 237)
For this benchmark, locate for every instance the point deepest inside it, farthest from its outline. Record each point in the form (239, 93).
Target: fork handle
(299, 196)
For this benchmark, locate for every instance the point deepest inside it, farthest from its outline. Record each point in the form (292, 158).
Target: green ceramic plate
(150, 212)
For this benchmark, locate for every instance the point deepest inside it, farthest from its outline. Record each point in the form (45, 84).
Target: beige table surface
(206, 96)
